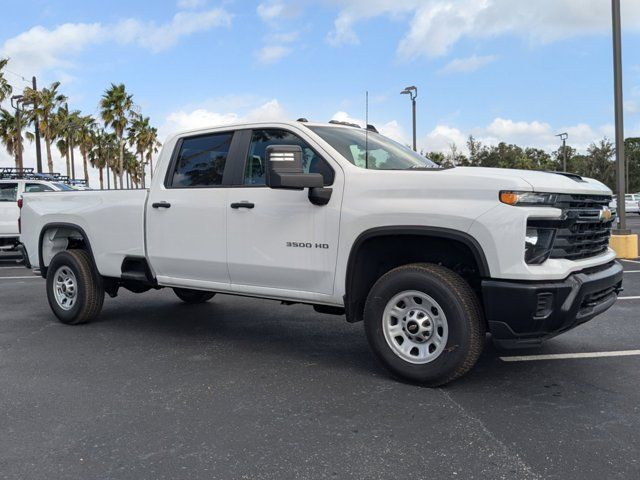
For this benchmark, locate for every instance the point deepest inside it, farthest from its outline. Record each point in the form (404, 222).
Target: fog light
(538, 244)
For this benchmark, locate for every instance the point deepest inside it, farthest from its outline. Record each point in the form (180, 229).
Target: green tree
(47, 100)
(632, 154)
(11, 136)
(115, 109)
(84, 139)
(5, 87)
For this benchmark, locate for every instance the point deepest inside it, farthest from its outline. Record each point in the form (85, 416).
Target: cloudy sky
(504, 70)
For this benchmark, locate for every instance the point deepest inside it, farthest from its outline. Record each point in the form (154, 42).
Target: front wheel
(74, 287)
(193, 296)
(424, 323)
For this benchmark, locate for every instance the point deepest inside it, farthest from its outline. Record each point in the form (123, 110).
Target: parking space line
(629, 298)
(21, 278)
(632, 261)
(632, 271)
(569, 356)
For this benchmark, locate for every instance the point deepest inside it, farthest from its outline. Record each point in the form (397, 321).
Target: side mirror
(284, 169)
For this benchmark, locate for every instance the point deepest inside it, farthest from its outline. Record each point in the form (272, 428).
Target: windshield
(372, 150)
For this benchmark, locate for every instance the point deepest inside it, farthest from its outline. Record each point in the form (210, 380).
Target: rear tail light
(20, 217)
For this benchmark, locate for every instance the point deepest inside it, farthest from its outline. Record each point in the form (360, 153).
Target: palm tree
(5, 88)
(115, 107)
(137, 138)
(11, 135)
(84, 139)
(153, 146)
(104, 153)
(132, 167)
(47, 101)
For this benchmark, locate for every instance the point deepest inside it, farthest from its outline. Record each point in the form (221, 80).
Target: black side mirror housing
(284, 169)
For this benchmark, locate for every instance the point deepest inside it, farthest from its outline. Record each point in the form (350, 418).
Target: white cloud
(391, 129)
(189, 4)
(270, 11)
(161, 37)
(525, 134)
(40, 49)
(469, 64)
(435, 26)
(272, 53)
(442, 137)
(202, 117)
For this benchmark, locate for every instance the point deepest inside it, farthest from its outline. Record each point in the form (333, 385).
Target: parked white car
(350, 222)
(631, 203)
(11, 190)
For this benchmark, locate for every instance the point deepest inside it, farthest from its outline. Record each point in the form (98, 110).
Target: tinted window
(201, 161)
(261, 139)
(37, 187)
(8, 192)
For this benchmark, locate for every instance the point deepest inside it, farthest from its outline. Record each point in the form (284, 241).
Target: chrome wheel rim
(65, 288)
(415, 327)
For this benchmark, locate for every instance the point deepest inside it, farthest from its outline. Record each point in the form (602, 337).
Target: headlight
(538, 244)
(528, 198)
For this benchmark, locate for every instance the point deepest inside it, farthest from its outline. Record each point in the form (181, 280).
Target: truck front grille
(581, 233)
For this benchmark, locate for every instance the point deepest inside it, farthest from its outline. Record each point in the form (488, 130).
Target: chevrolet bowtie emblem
(605, 214)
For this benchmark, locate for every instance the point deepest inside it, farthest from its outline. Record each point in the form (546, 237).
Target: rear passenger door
(187, 214)
(277, 239)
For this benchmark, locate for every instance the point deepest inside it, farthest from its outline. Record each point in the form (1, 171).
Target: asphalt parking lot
(243, 388)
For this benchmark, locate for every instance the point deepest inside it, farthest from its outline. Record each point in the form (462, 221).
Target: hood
(550, 182)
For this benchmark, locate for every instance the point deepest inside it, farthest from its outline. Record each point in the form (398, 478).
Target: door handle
(242, 205)
(161, 205)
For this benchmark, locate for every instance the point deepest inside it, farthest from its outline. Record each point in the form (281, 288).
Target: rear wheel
(424, 324)
(193, 296)
(74, 287)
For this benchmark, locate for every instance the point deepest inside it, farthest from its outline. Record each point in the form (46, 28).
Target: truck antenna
(366, 131)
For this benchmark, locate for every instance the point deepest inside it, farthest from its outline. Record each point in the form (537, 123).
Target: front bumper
(523, 314)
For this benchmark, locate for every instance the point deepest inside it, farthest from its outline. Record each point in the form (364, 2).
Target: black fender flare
(435, 232)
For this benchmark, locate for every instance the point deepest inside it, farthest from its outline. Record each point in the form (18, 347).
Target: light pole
(413, 94)
(16, 106)
(563, 137)
(617, 76)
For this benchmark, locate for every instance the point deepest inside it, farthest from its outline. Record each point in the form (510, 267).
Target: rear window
(8, 192)
(37, 187)
(201, 161)
(63, 186)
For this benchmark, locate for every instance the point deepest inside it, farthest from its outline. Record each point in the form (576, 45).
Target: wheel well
(377, 253)
(55, 238)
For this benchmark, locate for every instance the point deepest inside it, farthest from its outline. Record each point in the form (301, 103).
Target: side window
(37, 187)
(8, 192)
(254, 173)
(201, 161)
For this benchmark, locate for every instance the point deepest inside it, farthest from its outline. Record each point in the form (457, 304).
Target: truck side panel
(113, 221)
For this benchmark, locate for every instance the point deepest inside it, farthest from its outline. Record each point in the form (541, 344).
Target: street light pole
(620, 157)
(563, 137)
(413, 94)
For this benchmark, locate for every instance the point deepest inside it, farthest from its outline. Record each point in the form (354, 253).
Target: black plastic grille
(582, 234)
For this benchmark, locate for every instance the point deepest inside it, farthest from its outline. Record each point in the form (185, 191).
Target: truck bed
(112, 219)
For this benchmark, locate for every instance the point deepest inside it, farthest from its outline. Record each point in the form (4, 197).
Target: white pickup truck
(11, 190)
(350, 222)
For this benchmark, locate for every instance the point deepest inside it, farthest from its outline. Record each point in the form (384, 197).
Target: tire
(444, 331)
(74, 269)
(193, 296)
